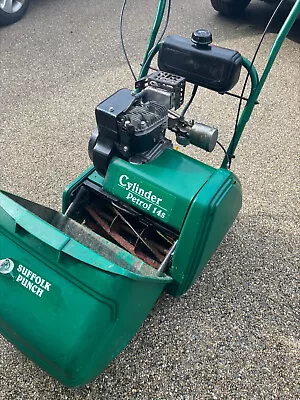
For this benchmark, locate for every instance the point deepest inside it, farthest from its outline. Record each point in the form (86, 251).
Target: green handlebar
(147, 62)
(256, 83)
(157, 23)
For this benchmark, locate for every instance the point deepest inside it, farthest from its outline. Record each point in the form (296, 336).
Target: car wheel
(230, 8)
(12, 10)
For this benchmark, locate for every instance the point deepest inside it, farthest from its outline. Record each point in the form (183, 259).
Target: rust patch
(138, 238)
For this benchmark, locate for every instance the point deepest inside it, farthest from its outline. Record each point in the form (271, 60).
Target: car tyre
(12, 11)
(230, 8)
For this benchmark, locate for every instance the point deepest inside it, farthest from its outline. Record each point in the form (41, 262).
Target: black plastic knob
(202, 37)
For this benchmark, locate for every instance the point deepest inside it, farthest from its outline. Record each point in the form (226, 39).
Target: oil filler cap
(202, 37)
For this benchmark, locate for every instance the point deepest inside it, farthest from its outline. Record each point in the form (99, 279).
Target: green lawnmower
(144, 218)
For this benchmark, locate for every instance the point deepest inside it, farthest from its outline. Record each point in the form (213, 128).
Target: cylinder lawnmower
(143, 219)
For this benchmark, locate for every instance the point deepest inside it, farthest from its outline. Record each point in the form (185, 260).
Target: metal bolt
(143, 124)
(111, 109)
(125, 148)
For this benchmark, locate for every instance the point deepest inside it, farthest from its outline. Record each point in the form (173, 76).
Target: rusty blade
(156, 252)
(120, 239)
(136, 233)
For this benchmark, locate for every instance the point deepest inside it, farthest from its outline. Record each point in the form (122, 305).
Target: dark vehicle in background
(12, 10)
(232, 8)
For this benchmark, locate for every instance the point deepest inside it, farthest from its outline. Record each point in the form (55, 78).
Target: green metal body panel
(87, 297)
(163, 188)
(66, 306)
(199, 201)
(96, 178)
(211, 214)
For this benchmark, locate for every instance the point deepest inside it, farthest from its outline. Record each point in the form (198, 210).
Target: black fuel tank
(203, 64)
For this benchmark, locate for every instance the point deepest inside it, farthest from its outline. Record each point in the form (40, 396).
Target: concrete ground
(235, 334)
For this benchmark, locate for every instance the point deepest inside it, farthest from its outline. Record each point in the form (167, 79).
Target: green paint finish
(37, 285)
(163, 188)
(156, 25)
(144, 195)
(96, 178)
(211, 214)
(69, 308)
